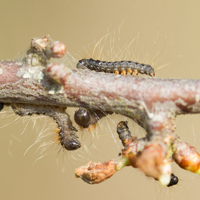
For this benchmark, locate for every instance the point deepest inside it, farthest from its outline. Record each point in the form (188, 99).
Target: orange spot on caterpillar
(123, 72)
(135, 72)
(116, 72)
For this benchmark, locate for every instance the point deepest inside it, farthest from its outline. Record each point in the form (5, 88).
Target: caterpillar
(123, 132)
(84, 117)
(117, 67)
(66, 136)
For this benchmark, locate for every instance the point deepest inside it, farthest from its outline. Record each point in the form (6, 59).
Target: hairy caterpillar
(117, 67)
(66, 135)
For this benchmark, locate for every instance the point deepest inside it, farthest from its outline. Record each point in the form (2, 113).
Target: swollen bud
(56, 50)
(151, 159)
(186, 156)
(57, 72)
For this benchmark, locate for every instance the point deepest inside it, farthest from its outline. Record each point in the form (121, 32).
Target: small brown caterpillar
(117, 67)
(123, 132)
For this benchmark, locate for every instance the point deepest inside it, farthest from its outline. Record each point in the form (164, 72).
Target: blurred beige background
(166, 34)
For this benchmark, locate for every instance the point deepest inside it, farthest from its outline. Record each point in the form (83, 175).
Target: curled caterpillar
(66, 136)
(84, 117)
(123, 132)
(117, 67)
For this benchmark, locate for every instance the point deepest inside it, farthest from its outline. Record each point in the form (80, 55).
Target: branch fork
(35, 85)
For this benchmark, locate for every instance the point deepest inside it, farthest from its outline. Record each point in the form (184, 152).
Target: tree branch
(34, 85)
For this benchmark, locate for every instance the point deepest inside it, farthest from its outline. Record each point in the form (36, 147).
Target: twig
(34, 85)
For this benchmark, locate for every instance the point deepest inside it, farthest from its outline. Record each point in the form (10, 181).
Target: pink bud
(57, 72)
(56, 50)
